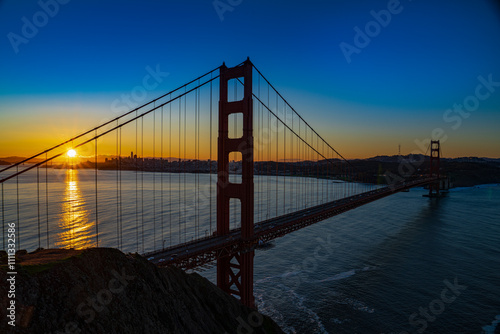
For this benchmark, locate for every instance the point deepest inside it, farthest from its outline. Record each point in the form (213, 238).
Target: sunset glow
(396, 89)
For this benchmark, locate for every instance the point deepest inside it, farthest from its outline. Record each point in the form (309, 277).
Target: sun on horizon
(71, 153)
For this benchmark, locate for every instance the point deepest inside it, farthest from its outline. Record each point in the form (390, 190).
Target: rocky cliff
(105, 291)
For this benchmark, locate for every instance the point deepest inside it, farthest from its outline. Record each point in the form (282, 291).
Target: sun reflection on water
(75, 226)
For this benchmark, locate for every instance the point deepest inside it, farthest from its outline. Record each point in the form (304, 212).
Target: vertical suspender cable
(344, 178)
(259, 153)
(197, 157)
(317, 171)
(195, 195)
(142, 182)
(185, 163)
(170, 172)
(210, 159)
(269, 157)
(154, 179)
(323, 176)
(3, 221)
(293, 190)
(121, 203)
(329, 168)
(306, 179)
(328, 177)
(96, 198)
(71, 203)
(18, 244)
(47, 198)
(136, 163)
(299, 160)
(277, 158)
(179, 169)
(284, 162)
(161, 182)
(38, 204)
(117, 191)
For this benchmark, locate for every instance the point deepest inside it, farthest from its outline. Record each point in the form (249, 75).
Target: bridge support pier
(235, 273)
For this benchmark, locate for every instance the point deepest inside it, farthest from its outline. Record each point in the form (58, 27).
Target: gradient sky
(395, 90)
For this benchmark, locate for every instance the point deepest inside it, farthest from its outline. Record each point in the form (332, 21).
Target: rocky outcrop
(105, 291)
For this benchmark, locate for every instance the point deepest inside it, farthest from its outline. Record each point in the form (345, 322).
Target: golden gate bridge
(274, 175)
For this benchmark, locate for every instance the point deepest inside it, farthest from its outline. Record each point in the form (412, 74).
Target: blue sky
(394, 91)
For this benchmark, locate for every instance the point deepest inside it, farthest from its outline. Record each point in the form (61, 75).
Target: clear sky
(394, 83)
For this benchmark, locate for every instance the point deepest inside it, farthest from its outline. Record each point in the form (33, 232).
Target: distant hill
(2, 162)
(396, 158)
(15, 159)
(463, 172)
(418, 157)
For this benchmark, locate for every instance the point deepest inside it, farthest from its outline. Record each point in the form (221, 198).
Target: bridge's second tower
(434, 168)
(235, 273)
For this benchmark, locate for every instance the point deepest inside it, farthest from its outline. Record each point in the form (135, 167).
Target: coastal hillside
(463, 172)
(105, 291)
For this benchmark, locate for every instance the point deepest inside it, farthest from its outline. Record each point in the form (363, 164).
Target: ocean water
(403, 264)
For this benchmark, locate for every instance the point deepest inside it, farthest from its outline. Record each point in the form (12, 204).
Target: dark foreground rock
(106, 291)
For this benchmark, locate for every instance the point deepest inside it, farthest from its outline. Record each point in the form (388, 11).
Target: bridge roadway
(205, 250)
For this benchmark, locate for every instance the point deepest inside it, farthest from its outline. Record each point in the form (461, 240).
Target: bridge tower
(235, 273)
(434, 168)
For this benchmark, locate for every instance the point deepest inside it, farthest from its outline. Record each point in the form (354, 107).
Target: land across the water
(463, 172)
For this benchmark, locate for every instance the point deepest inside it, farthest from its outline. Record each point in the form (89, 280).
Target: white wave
(313, 316)
(336, 277)
(367, 268)
(339, 276)
(343, 299)
(490, 329)
(356, 304)
(294, 300)
(284, 275)
(270, 310)
(345, 274)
